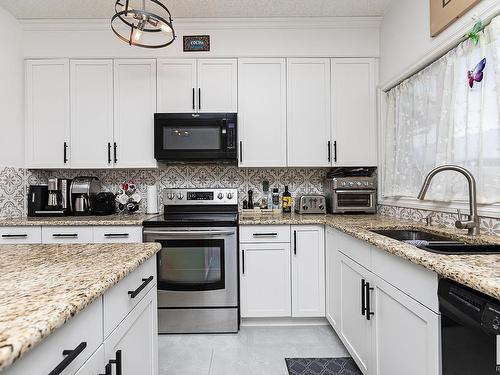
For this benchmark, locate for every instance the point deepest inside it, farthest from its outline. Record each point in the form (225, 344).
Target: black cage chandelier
(148, 25)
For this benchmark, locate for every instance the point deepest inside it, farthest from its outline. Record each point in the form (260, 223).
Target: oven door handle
(367, 191)
(191, 233)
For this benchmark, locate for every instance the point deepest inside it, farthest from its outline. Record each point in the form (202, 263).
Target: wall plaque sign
(196, 43)
(445, 12)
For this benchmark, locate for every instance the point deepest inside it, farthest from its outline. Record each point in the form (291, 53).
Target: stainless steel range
(198, 262)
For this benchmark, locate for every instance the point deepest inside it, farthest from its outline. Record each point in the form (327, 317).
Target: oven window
(193, 265)
(354, 200)
(191, 138)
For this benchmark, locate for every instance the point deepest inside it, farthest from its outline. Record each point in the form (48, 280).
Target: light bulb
(137, 34)
(164, 27)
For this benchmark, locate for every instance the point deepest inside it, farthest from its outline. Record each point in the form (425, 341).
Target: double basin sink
(438, 244)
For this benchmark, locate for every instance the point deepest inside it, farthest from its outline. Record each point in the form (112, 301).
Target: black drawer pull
(295, 242)
(14, 236)
(329, 151)
(116, 235)
(107, 370)
(65, 235)
(117, 361)
(115, 148)
(369, 313)
(65, 152)
(335, 151)
(243, 262)
(265, 234)
(70, 357)
(134, 293)
(109, 153)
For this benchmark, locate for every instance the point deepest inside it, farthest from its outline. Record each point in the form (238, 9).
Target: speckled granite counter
(480, 272)
(42, 286)
(110, 220)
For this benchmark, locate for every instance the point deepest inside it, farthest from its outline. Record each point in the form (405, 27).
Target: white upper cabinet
(134, 108)
(217, 85)
(354, 112)
(308, 112)
(308, 271)
(47, 114)
(262, 112)
(177, 86)
(91, 113)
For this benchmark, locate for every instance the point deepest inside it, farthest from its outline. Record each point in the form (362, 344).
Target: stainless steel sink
(414, 235)
(465, 249)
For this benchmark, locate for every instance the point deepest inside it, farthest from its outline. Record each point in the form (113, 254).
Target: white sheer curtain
(434, 118)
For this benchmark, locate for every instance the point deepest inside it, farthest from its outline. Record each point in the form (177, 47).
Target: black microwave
(196, 137)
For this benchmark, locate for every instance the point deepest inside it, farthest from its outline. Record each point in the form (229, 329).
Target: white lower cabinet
(94, 365)
(308, 271)
(133, 345)
(265, 280)
(385, 329)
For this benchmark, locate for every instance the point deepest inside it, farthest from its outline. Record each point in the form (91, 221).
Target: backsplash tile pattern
(490, 226)
(12, 192)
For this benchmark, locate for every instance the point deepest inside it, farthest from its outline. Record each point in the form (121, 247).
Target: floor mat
(322, 366)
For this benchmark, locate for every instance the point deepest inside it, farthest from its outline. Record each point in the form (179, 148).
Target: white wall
(405, 36)
(340, 37)
(11, 92)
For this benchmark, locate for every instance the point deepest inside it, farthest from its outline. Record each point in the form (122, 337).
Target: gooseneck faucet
(472, 225)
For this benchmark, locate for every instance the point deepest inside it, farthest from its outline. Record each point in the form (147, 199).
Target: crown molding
(207, 24)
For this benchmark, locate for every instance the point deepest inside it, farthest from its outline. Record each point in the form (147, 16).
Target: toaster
(310, 204)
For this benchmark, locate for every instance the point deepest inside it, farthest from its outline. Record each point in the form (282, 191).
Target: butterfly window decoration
(477, 74)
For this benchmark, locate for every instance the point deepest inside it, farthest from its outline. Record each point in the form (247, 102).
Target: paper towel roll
(152, 195)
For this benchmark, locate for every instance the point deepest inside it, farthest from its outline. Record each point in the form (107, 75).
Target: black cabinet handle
(65, 152)
(65, 235)
(363, 297)
(107, 369)
(369, 313)
(265, 234)
(243, 262)
(329, 151)
(70, 357)
(14, 236)
(134, 293)
(116, 235)
(118, 362)
(199, 98)
(109, 153)
(241, 151)
(335, 151)
(193, 99)
(115, 147)
(295, 242)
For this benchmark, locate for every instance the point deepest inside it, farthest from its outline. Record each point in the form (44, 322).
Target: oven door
(185, 137)
(355, 201)
(197, 267)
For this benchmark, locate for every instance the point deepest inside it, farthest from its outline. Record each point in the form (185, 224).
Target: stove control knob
(351, 183)
(321, 207)
(180, 196)
(305, 208)
(220, 196)
(358, 183)
(230, 195)
(170, 196)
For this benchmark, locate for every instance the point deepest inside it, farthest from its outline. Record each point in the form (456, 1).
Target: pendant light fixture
(144, 23)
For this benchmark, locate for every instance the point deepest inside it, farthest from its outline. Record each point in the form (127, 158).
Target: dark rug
(322, 366)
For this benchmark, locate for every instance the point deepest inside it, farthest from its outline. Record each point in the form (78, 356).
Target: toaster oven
(351, 195)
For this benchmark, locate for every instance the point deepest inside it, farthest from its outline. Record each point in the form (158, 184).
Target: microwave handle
(223, 134)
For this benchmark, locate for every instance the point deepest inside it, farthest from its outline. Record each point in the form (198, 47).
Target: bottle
(264, 204)
(276, 198)
(286, 201)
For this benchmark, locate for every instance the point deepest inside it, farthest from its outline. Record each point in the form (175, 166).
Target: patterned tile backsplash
(14, 183)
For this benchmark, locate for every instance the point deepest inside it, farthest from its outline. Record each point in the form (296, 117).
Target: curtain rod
(462, 39)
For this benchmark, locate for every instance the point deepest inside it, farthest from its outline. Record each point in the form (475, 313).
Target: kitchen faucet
(472, 225)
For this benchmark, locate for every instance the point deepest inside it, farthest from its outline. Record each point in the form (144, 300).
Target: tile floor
(254, 351)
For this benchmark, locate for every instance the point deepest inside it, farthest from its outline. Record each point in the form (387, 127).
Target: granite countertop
(43, 286)
(480, 272)
(135, 219)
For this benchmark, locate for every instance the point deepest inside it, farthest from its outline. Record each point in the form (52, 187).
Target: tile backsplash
(12, 192)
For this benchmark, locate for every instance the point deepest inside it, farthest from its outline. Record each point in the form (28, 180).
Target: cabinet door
(308, 112)
(217, 85)
(134, 107)
(134, 343)
(308, 271)
(47, 114)
(265, 280)
(403, 326)
(262, 112)
(354, 112)
(355, 330)
(332, 260)
(177, 86)
(94, 365)
(91, 113)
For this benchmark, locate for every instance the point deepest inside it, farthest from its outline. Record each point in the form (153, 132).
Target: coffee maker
(49, 200)
(83, 192)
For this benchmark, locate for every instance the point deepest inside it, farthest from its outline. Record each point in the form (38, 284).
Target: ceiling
(201, 8)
